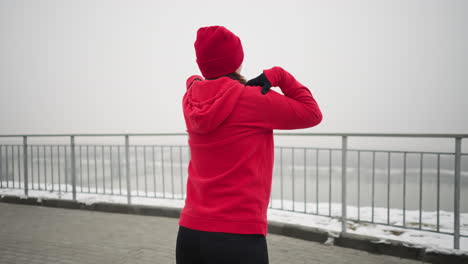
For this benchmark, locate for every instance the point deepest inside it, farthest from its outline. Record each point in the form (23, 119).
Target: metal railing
(304, 179)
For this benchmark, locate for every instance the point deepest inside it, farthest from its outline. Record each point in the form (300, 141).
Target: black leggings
(200, 247)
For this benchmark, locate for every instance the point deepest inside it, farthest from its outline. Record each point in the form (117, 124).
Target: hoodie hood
(207, 103)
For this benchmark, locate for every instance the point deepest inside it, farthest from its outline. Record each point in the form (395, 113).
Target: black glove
(262, 81)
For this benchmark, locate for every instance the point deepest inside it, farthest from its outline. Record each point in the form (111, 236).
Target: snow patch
(447, 251)
(381, 241)
(330, 241)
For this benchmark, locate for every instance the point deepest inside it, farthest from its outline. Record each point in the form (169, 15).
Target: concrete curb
(366, 243)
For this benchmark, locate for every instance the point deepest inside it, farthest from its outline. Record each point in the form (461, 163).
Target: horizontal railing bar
(98, 145)
(276, 134)
(308, 148)
(98, 135)
(372, 150)
(279, 147)
(403, 151)
(375, 135)
(157, 145)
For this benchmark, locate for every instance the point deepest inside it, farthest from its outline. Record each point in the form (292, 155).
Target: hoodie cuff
(274, 75)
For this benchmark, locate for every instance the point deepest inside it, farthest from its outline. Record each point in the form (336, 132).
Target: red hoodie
(230, 129)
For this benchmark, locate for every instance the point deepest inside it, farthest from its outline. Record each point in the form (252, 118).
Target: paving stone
(35, 234)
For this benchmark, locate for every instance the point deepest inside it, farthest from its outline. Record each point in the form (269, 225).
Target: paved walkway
(34, 234)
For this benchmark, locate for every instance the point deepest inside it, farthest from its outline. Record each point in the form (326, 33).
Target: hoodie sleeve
(295, 109)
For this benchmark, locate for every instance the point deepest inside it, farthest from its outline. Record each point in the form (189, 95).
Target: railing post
(456, 209)
(127, 168)
(25, 164)
(344, 150)
(73, 166)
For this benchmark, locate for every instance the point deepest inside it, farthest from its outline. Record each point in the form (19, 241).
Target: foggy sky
(120, 66)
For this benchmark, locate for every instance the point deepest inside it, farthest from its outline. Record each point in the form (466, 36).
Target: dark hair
(238, 77)
(235, 76)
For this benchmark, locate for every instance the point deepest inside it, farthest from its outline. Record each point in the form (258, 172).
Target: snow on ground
(433, 241)
(52, 191)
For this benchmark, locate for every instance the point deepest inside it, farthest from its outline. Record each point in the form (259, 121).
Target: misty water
(163, 170)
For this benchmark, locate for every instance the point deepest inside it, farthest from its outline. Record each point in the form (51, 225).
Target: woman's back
(230, 130)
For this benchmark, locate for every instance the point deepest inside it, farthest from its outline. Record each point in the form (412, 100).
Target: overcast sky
(120, 66)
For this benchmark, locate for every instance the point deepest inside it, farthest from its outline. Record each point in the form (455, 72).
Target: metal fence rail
(389, 187)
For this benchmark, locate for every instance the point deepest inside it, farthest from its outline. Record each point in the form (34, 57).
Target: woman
(230, 124)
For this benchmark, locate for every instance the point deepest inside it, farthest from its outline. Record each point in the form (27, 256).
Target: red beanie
(219, 51)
